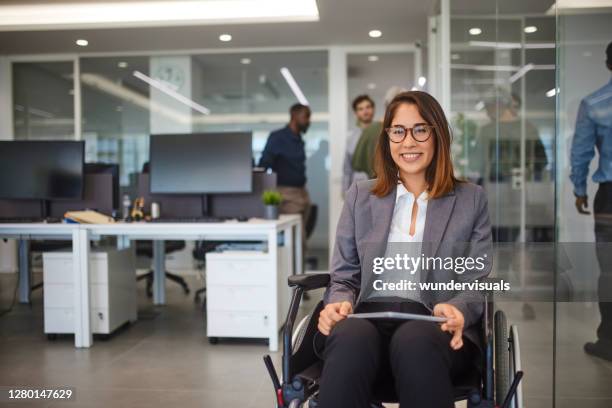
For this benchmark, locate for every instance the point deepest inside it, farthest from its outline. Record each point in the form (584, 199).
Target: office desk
(288, 226)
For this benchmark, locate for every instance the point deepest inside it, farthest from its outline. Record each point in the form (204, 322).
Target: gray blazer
(362, 233)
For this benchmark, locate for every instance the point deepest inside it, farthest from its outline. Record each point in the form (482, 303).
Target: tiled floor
(165, 359)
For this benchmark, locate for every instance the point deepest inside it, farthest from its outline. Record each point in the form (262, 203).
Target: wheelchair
(497, 386)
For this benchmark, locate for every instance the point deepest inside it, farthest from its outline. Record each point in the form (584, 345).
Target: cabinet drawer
(222, 272)
(57, 268)
(237, 324)
(62, 295)
(235, 298)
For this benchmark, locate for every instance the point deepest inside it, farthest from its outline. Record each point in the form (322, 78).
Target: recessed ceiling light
(422, 81)
(531, 29)
(82, 43)
(551, 93)
(372, 58)
(245, 61)
(122, 64)
(475, 31)
(375, 33)
(414, 88)
(225, 37)
(455, 57)
(371, 85)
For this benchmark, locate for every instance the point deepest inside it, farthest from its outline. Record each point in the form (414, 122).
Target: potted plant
(271, 200)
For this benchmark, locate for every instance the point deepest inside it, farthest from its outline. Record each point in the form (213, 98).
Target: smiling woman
(426, 151)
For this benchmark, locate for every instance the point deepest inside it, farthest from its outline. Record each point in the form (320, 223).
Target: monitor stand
(206, 205)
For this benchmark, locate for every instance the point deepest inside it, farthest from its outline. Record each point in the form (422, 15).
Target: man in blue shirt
(594, 130)
(284, 153)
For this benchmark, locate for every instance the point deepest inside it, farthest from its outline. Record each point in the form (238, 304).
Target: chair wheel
(213, 340)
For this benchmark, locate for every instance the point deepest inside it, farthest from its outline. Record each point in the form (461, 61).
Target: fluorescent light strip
(295, 88)
(153, 13)
(516, 76)
(511, 45)
(165, 88)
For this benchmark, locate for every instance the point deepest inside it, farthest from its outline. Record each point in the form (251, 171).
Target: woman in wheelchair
(414, 199)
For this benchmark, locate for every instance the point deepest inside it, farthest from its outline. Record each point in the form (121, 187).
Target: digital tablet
(398, 316)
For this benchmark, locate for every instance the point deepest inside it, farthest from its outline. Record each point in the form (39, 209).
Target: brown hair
(439, 175)
(362, 98)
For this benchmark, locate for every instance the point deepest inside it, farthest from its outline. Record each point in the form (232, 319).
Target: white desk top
(252, 227)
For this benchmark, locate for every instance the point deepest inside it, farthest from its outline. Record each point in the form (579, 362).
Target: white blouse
(402, 216)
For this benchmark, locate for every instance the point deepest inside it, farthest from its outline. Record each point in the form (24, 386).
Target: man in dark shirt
(284, 154)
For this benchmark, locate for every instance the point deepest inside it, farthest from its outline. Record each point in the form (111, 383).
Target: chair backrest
(311, 221)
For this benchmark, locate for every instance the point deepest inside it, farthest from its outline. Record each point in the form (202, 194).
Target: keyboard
(27, 220)
(189, 220)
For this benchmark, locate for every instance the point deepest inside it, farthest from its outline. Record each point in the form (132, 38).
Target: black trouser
(365, 360)
(602, 209)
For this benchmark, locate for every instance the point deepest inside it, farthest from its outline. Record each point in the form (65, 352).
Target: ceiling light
(295, 88)
(371, 86)
(82, 43)
(531, 29)
(167, 89)
(372, 58)
(551, 93)
(475, 31)
(245, 61)
(414, 88)
(81, 14)
(225, 37)
(422, 81)
(479, 106)
(122, 64)
(455, 57)
(375, 33)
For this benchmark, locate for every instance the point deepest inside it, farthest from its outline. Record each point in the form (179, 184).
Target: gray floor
(165, 359)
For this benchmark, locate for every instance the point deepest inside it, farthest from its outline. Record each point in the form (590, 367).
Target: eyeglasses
(420, 132)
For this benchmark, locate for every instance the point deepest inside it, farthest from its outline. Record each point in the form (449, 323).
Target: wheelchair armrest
(309, 281)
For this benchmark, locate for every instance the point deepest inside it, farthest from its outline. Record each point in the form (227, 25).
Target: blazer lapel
(438, 214)
(382, 214)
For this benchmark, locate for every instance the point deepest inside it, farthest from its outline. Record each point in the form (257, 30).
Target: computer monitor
(107, 168)
(201, 163)
(43, 170)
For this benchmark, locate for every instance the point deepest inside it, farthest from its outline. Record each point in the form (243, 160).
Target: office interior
(112, 90)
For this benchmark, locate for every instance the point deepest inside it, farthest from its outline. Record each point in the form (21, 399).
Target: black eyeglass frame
(410, 130)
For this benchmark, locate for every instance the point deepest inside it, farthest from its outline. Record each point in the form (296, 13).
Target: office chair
(145, 249)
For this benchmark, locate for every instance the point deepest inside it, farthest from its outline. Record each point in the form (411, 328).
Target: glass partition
(502, 65)
(584, 167)
(125, 99)
(43, 100)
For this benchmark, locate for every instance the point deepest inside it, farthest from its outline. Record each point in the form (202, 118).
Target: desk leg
(276, 281)
(80, 269)
(159, 273)
(25, 278)
(299, 256)
(290, 251)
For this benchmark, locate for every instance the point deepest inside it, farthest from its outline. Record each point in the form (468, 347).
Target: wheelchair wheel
(502, 357)
(295, 403)
(515, 365)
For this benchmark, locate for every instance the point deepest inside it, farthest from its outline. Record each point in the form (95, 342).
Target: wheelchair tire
(502, 357)
(296, 403)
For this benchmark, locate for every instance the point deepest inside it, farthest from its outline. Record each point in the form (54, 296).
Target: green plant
(271, 197)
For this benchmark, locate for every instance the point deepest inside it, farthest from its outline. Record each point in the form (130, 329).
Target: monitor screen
(44, 170)
(201, 163)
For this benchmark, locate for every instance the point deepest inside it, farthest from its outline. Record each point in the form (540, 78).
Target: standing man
(594, 129)
(285, 155)
(363, 108)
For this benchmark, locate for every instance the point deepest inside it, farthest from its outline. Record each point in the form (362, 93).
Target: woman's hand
(332, 314)
(453, 325)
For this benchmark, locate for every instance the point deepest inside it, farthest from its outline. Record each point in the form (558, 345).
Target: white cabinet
(244, 294)
(112, 287)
